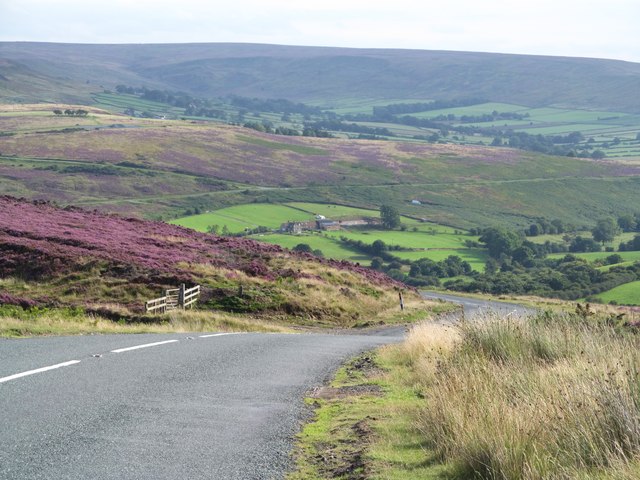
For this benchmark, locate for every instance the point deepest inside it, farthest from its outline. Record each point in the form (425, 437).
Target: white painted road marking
(219, 334)
(120, 350)
(38, 370)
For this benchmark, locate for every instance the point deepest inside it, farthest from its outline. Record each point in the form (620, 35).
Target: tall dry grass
(61, 322)
(551, 397)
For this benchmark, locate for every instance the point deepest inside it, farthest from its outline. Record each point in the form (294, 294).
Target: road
(205, 406)
(215, 407)
(475, 309)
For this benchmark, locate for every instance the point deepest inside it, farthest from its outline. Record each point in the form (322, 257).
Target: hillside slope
(52, 256)
(68, 72)
(156, 168)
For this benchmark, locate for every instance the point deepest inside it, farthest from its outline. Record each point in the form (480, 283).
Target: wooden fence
(174, 298)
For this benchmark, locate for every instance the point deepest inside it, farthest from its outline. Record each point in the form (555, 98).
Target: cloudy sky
(586, 28)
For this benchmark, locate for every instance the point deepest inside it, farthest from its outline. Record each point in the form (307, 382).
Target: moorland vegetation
(551, 396)
(108, 266)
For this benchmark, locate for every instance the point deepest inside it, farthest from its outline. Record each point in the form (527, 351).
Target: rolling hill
(32, 72)
(162, 168)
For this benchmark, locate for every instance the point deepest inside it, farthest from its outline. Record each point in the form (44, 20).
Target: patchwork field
(615, 133)
(419, 240)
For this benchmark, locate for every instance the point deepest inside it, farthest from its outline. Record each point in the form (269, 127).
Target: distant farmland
(420, 240)
(164, 169)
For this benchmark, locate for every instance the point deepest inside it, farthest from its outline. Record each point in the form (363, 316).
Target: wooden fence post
(181, 296)
(401, 300)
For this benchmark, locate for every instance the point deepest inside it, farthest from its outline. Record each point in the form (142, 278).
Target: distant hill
(68, 72)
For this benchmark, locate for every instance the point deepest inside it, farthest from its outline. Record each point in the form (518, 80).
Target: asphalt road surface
(215, 407)
(476, 309)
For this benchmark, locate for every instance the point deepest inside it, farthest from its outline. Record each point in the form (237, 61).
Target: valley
(252, 182)
(314, 194)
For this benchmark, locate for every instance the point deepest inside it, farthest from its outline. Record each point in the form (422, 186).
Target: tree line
(71, 112)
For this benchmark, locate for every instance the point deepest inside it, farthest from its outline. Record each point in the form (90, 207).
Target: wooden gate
(173, 299)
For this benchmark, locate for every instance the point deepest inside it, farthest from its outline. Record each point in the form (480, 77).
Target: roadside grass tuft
(553, 397)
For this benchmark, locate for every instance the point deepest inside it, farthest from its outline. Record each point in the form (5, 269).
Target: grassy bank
(16, 321)
(557, 396)
(19, 322)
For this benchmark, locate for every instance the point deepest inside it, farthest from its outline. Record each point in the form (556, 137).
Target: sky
(579, 28)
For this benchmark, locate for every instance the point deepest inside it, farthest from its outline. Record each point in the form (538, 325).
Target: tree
(631, 245)
(376, 263)
(491, 266)
(303, 247)
(598, 155)
(627, 223)
(524, 256)
(534, 230)
(389, 216)
(378, 247)
(560, 227)
(581, 244)
(57, 111)
(213, 229)
(500, 241)
(605, 230)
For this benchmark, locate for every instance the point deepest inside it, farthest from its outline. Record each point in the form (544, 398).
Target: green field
(593, 256)
(479, 109)
(476, 257)
(419, 240)
(627, 294)
(241, 217)
(334, 211)
(558, 238)
(407, 239)
(330, 248)
(119, 102)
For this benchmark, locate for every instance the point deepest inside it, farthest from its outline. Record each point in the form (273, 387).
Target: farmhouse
(296, 228)
(323, 223)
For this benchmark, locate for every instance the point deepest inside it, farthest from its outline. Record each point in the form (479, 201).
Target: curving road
(214, 407)
(475, 309)
(206, 406)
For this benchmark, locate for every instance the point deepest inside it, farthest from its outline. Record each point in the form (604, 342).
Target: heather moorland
(109, 265)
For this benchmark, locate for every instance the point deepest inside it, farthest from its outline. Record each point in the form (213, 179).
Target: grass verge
(18, 322)
(555, 396)
(363, 425)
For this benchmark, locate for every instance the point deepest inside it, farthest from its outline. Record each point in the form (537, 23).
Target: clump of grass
(555, 396)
